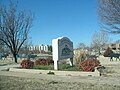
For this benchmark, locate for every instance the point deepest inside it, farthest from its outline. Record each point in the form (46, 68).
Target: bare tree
(99, 40)
(118, 41)
(50, 49)
(14, 27)
(81, 45)
(80, 53)
(109, 14)
(25, 47)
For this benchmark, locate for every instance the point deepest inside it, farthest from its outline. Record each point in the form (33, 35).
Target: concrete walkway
(5, 67)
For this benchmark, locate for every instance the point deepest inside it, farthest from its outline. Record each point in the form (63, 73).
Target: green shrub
(44, 67)
(67, 67)
(64, 67)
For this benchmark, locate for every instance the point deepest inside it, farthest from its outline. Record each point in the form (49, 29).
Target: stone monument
(62, 49)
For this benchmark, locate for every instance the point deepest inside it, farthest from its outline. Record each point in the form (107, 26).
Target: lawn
(62, 67)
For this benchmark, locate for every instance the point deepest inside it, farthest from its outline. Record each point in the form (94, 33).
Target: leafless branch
(109, 15)
(14, 27)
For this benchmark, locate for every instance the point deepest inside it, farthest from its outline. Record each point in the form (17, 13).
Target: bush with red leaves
(50, 61)
(27, 64)
(41, 62)
(89, 64)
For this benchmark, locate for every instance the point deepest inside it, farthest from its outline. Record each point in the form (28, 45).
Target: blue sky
(75, 19)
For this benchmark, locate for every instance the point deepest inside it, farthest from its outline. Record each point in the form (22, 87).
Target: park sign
(62, 49)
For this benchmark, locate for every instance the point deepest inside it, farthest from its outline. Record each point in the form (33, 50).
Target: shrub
(41, 62)
(27, 64)
(79, 56)
(45, 67)
(50, 61)
(89, 64)
(107, 52)
(67, 67)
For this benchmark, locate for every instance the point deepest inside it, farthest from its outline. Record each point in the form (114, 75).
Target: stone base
(61, 73)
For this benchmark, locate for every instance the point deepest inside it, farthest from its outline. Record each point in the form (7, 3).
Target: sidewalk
(5, 67)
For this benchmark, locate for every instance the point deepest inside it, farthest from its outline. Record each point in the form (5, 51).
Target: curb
(53, 72)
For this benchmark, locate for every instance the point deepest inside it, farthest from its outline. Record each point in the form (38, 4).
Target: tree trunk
(99, 52)
(15, 57)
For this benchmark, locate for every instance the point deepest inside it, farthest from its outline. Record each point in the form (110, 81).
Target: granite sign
(62, 49)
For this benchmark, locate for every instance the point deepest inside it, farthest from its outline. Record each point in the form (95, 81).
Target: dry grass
(108, 81)
(17, 83)
(9, 61)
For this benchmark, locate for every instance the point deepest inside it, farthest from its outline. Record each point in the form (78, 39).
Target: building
(40, 48)
(114, 46)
